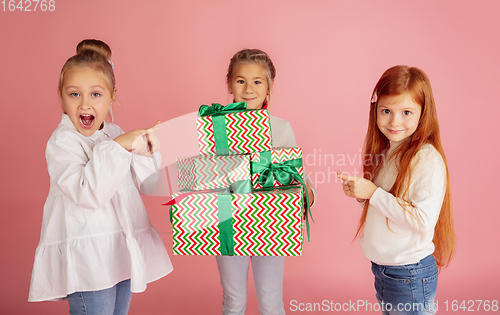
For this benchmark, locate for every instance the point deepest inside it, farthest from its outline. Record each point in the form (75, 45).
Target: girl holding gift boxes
(250, 77)
(407, 227)
(97, 243)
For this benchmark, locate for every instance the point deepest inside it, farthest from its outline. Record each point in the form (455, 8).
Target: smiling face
(398, 116)
(85, 98)
(249, 84)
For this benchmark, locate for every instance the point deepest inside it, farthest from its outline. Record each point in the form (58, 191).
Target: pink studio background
(171, 57)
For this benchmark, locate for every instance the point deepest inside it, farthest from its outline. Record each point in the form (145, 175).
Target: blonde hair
(94, 54)
(253, 56)
(396, 81)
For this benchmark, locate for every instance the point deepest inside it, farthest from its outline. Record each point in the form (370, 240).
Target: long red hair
(395, 81)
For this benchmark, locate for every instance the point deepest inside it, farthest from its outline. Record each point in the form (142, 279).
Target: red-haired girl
(406, 227)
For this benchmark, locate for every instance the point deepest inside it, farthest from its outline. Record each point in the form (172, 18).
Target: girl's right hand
(140, 141)
(357, 187)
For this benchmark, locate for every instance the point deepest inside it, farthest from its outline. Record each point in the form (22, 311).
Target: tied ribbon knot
(284, 173)
(217, 109)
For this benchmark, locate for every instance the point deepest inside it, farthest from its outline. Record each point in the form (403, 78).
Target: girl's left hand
(357, 187)
(140, 141)
(147, 142)
(310, 193)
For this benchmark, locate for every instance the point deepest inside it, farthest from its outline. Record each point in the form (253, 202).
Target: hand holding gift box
(237, 221)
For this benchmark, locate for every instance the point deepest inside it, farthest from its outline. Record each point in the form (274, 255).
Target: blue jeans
(407, 289)
(267, 276)
(112, 301)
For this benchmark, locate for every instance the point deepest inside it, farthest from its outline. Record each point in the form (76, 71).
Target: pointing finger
(346, 177)
(155, 126)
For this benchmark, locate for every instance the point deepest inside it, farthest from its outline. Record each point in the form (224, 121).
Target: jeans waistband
(429, 260)
(411, 269)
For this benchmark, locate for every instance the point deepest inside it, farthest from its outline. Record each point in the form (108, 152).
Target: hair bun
(94, 46)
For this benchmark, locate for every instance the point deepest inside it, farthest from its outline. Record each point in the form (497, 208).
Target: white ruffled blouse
(95, 229)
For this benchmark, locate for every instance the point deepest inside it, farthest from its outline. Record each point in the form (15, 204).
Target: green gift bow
(217, 111)
(284, 173)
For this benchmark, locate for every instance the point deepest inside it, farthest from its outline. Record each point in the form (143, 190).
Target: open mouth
(87, 121)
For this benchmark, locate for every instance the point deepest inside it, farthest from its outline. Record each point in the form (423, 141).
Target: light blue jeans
(407, 289)
(112, 301)
(267, 276)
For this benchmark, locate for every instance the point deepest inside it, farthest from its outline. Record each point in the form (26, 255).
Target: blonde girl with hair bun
(97, 244)
(250, 77)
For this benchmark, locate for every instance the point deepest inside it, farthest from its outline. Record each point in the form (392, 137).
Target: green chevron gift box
(233, 129)
(278, 167)
(212, 172)
(261, 223)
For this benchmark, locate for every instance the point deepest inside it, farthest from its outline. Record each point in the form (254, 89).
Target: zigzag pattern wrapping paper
(212, 172)
(247, 132)
(265, 223)
(278, 155)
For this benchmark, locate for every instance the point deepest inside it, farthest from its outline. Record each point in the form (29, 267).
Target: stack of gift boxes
(241, 196)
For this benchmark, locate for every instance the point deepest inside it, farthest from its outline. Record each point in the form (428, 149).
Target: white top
(95, 230)
(409, 238)
(282, 133)
(283, 136)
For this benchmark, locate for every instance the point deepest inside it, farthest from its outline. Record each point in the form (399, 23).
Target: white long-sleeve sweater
(408, 238)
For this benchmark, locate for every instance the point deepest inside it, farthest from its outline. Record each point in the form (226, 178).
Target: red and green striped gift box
(212, 172)
(261, 223)
(233, 129)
